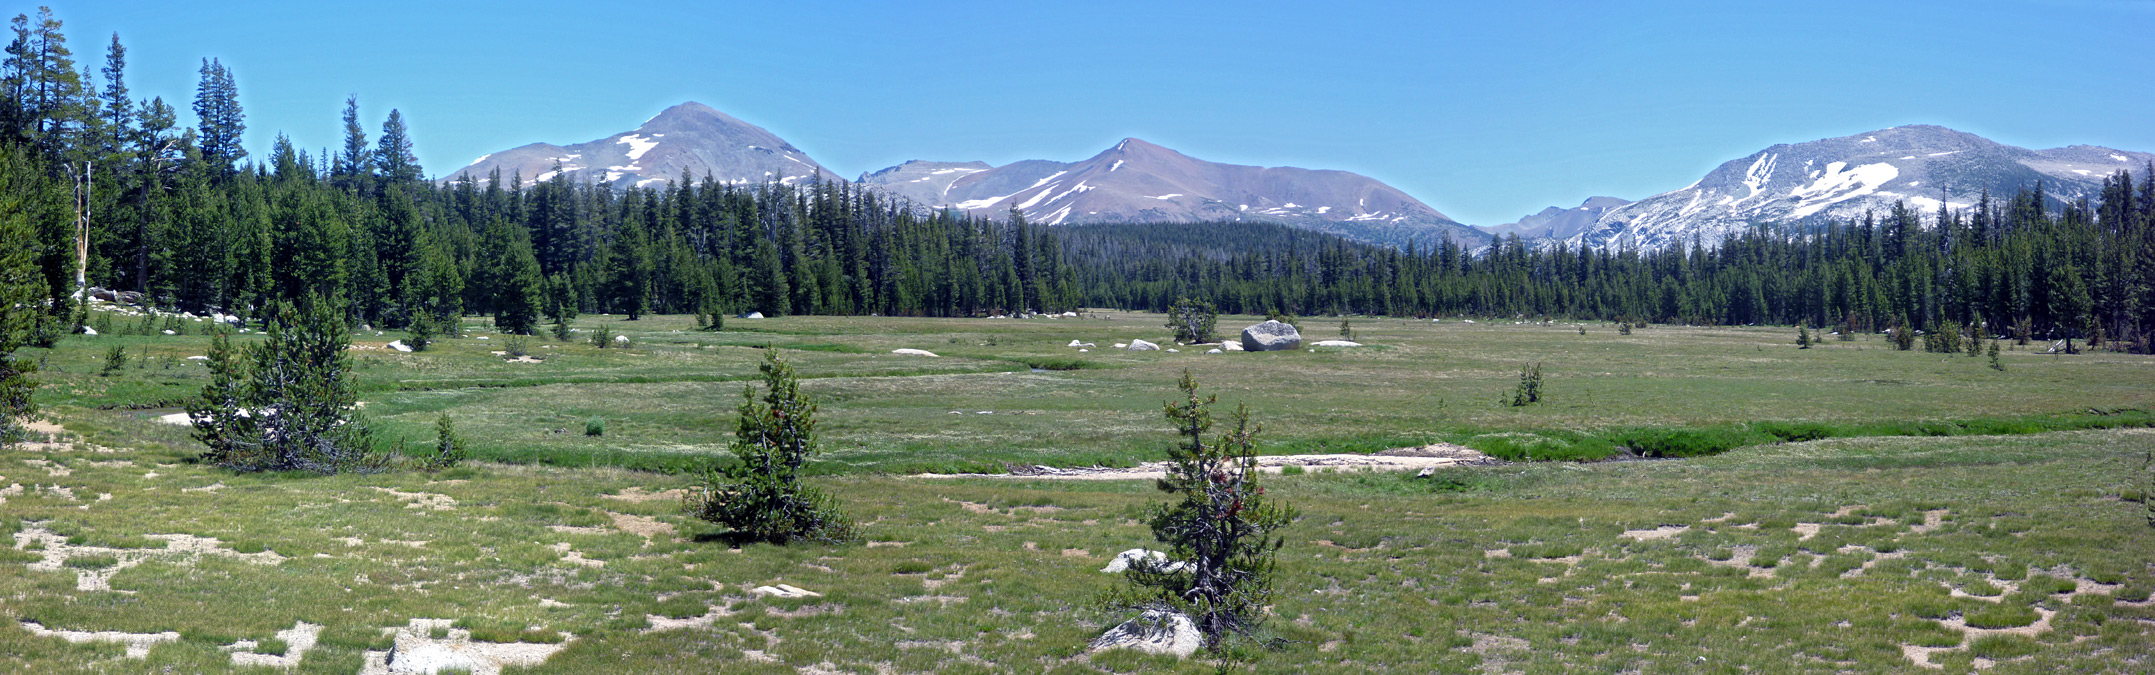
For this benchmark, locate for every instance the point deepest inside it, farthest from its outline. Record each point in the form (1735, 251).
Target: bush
(516, 346)
(1220, 529)
(595, 426)
(1623, 328)
(601, 337)
(761, 496)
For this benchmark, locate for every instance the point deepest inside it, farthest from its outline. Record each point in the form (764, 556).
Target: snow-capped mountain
(1559, 223)
(923, 182)
(1843, 177)
(690, 137)
(1136, 181)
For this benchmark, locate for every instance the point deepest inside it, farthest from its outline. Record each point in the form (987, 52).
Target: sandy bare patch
(1076, 553)
(53, 469)
(297, 640)
(1922, 655)
(213, 487)
(1497, 553)
(1805, 531)
(639, 495)
(643, 526)
(1426, 457)
(1724, 517)
(1658, 533)
(183, 549)
(416, 651)
(572, 529)
(422, 500)
(571, 555)
(660, 623)
(138, 644)
(944, 600)
(887, 544)
(952, 646)
(1932, 520)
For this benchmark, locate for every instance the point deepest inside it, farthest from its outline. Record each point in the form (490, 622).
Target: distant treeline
(184, 216)
(2009, 265)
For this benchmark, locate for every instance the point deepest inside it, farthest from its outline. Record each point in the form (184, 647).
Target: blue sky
(1485, 110)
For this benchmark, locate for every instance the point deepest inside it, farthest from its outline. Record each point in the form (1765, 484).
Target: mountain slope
(690, 137)
(1559, 223)
(1844, 177)
(1137, 181)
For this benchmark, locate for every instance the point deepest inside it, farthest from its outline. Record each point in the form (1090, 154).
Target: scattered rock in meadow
(1155, 632)
(914, 352)
(400, 346)
(1143, 346)
(750, 315)
(1270, 336)
(1335, 343)
(1125, 559)
(787, 591)
(1212, 351)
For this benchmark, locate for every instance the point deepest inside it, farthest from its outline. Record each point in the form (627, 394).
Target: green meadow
(1846, 508)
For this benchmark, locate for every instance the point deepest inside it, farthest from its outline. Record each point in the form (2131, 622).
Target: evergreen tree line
(2009, 266)
(184, 217)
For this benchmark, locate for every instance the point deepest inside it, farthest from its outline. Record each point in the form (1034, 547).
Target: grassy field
(667, 402)
(2027, 552)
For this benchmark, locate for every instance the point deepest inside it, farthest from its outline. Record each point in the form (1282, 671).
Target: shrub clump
(761, 496)
(1219, 529)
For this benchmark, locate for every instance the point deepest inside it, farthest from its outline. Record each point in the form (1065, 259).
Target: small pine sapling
(1529, 390)
(1623, 328)
(1995, 364)
(1803, 337)
(601, 337)
(421, 332)
(1220, 528)
(448, 447)
(115, 359)
(761, 496)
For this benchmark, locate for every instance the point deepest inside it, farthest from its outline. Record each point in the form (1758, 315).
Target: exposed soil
(1433, 456)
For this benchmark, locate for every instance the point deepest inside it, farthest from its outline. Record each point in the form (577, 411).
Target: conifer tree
(394, 154)
(761, 496)
(222, 120)
(20, 291)
(1219, 528)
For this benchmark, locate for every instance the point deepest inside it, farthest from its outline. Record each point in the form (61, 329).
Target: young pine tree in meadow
(761, 496)
(1220, 528)
(1803, 337)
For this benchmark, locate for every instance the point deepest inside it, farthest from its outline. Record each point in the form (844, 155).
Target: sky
(1487, 111)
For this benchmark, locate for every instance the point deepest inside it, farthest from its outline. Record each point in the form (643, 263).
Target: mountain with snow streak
(690, 138)
(1559, 223)
(1842, 178)
(1139, 182)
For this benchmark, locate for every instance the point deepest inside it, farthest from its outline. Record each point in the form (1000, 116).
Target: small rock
(618, 339)
(1122, 345)
(169, 332)
(1143, 346)
(1125, 559)
(914, 352)
(750, 315)
(1335, 343)
(86, 330)
(396, 345)
(198, 358)
(1155, 632)
(1172, 349)
(1212, 351)
(1426, 472)
(1081, 351)
(787, 591)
